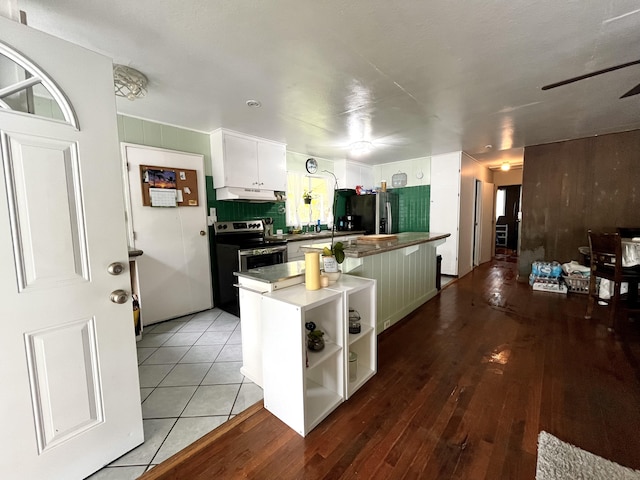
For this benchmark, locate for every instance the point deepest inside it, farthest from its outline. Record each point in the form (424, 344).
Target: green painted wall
(144, 132)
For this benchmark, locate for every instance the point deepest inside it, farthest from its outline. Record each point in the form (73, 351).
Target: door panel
(50, 242)
(69, 366)
(173, 273)
(65, 381)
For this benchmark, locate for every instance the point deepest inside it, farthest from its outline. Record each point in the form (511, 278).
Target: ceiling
(416, 78)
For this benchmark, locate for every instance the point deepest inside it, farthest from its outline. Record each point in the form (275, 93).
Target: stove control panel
(247, 226)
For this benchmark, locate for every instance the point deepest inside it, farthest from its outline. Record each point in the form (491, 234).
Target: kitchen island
(403, 266)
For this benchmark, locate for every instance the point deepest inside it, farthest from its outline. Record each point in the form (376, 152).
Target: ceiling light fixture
(253, 104)
(129, 82)
(506, 166)
(360, 148)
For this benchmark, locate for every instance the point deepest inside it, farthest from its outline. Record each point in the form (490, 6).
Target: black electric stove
(240, 246)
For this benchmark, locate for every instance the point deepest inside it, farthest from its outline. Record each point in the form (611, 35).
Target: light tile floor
(190, 383)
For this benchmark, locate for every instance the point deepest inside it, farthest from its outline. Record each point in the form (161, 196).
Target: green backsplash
(228, 211)
(414, 208)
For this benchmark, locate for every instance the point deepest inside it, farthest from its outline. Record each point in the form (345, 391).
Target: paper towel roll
(312, 270)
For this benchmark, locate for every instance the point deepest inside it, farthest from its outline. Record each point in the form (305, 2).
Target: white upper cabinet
(272, 166)
(351, 174)
(243, 161)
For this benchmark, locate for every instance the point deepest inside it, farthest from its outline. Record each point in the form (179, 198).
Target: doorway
(173, 273)
(508, 219)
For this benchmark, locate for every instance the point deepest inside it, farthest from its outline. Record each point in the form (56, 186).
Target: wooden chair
(606, 262)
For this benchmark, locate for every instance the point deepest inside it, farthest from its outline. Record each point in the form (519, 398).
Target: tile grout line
(243, 381)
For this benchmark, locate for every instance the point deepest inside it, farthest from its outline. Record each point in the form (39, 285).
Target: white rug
(558, 460)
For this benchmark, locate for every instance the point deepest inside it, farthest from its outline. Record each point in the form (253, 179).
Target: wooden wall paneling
(571, 186)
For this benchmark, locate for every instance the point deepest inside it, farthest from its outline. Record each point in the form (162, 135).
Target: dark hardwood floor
(464, 386)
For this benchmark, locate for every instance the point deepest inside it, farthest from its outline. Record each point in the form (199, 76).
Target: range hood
(246, 194)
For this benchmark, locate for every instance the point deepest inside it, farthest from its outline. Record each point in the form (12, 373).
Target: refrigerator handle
(389, 218)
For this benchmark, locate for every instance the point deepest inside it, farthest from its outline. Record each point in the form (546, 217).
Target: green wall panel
(414, 208)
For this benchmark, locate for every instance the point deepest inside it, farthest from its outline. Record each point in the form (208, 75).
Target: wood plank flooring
(464, 386)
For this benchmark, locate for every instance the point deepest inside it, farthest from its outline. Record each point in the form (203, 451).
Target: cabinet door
(240, 162)
(272, 166)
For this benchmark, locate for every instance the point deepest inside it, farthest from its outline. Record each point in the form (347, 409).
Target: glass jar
(354, 321)
(353, 366)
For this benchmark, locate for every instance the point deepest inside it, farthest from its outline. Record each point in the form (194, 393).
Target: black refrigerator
(378, 212)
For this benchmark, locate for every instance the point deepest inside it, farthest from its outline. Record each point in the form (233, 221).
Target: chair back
(606, 255)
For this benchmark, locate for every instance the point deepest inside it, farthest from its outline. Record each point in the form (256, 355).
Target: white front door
(174, 274)
(69, 395)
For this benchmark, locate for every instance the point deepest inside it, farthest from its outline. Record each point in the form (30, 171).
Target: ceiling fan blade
(589, 75)
(634, 91)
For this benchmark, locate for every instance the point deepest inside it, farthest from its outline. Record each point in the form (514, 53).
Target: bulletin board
(182, 181)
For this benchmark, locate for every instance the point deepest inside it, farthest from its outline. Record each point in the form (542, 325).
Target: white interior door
(487, 222)
(69, 401)
(444, 213)
(174, 274)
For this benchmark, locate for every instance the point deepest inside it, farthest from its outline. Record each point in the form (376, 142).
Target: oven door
(261, 257)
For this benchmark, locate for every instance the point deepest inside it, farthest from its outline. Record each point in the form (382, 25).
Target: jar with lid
(354, 321)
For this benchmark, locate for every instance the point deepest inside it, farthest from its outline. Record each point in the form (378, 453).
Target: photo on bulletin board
(160, 178)
(168, 187)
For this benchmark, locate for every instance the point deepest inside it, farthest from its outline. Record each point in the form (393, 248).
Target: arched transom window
(25, 88)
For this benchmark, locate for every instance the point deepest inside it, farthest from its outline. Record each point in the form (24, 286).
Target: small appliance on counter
(348, 223)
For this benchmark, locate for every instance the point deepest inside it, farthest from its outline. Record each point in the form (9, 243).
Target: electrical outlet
(387, 324)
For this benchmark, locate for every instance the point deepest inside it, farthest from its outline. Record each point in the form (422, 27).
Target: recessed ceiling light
(253, 104)
(505, 166)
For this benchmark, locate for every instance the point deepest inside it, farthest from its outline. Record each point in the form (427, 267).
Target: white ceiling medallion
(360, 148)
(129, 82)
